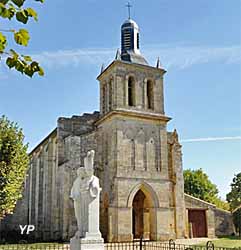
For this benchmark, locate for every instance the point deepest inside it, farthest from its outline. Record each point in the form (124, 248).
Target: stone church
(138, 161)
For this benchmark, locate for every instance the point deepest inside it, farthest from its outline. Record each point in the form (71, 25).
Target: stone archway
(144, 203)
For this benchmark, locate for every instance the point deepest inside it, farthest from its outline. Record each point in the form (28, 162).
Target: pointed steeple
(102, 68)
(118, 55)
(158, 63)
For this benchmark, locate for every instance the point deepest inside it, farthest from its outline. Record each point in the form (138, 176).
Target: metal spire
(129, 9)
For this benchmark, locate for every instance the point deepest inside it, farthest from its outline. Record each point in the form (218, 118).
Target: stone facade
(135, 153)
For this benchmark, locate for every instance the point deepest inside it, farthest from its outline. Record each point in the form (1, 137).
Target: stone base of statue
(88, 243)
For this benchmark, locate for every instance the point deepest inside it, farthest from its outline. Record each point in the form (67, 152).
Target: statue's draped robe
(84, 190)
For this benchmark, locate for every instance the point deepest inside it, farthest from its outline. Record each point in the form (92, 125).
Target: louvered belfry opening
(130, 43)
(127, 40)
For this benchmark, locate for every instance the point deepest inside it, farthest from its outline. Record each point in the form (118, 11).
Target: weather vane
(129, 9)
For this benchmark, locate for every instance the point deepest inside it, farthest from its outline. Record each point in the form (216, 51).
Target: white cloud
(179, 57)
(64, 58)
(172, 56)
(182, 57)
(207, 139)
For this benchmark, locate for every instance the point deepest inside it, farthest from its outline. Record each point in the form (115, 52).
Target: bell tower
(136, 169)
(129, 82)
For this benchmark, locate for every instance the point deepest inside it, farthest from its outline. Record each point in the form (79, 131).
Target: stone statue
(85, 193)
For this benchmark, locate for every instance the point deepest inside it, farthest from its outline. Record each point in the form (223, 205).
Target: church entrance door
(141, 216)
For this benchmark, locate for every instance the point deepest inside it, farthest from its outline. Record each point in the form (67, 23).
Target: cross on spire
(129, 9)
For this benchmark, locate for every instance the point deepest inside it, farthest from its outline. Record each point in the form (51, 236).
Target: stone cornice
(134, 179)
(116, 62)
(133, 114)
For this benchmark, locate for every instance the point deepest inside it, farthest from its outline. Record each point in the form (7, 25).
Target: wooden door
(138, 215)
(198, 220)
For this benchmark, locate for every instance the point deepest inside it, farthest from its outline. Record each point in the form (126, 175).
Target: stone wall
(42, 188)
(195, 203)
(36, 205)
(75, 150)
(175, 174)
(53, 163)
(75, 126)
(223, 222)
(76, 136)
(219, 222)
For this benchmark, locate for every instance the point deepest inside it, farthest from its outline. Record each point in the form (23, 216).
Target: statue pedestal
(87, 244)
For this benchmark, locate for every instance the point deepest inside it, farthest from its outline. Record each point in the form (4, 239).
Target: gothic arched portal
(140, 216)
(143, 203)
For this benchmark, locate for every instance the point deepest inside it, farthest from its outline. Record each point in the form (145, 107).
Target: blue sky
(198, 42)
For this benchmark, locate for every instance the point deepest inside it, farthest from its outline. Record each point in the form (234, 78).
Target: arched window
(150, 95)
(131, 91)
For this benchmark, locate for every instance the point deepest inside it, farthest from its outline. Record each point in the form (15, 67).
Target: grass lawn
(34, 246)
(229, 241)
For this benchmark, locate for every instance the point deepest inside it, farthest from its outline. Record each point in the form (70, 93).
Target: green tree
(13, 9)
(197, 184)
(13, 165)
(234, 196)
(237, 220)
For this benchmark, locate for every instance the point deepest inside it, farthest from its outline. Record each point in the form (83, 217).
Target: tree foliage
(13, 165)
(234, 196)
(197, 184)
(237, 220)
(13, 9)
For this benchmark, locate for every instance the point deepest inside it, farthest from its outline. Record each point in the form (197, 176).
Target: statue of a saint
(85, 193)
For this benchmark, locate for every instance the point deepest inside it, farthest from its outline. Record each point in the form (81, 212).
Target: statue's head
(81, 172)
(91, 154)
